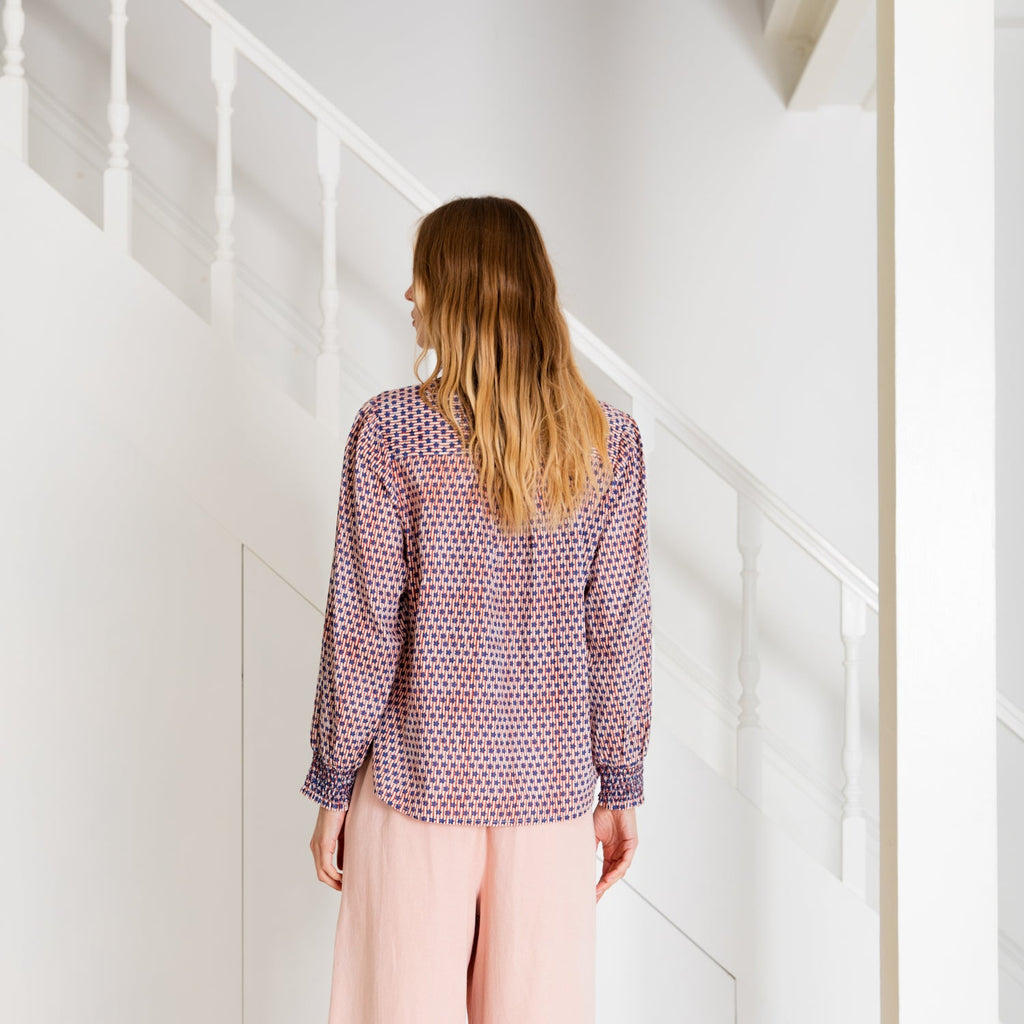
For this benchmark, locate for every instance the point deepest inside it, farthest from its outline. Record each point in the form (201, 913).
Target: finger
(613, 859)
(614, 869)
(339, 853)
(604, 885)
(332, 878)
(330, 882)
(325, 862)
(609, 878)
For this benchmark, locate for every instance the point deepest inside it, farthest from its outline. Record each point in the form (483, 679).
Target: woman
(486, 655)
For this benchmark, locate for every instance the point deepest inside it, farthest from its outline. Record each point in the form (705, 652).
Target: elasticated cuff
(621, 787)
(329, 789)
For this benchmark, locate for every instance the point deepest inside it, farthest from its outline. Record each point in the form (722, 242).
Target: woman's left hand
(328, 836)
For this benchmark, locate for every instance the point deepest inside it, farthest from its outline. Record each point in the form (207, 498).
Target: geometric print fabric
(495, 680)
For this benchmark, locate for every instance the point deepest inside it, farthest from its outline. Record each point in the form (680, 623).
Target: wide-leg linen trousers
(440, 924)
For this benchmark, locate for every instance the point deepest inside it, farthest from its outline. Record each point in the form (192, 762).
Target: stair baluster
(328, 362)
(117, 177)
(852, 626)
(748, 734)
(222, 270)
(13, 86)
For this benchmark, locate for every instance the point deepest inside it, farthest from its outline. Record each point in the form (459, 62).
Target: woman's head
(486, 303)
(480, 262)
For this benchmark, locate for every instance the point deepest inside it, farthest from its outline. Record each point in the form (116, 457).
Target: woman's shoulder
(409, 423)
(394, 403)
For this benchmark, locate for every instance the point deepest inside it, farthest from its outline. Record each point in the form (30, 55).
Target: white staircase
(182, 490)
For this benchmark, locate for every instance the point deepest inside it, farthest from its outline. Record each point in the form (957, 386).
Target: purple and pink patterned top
(494, 679)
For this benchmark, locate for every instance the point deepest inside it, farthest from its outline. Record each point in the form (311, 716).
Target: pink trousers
(443, 923)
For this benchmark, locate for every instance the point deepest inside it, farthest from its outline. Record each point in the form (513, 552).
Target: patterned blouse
(494, 680)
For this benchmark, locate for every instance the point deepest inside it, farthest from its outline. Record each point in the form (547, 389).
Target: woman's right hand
(616, 832)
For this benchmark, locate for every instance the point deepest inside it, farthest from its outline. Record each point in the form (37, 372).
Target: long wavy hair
(489, 309)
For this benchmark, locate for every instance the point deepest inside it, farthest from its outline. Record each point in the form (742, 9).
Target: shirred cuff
(331, 790)
(621, 787)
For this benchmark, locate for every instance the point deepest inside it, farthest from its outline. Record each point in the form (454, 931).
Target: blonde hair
(489, 309)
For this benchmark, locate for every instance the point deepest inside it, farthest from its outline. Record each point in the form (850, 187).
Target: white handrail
(316, 104)
(680, 425)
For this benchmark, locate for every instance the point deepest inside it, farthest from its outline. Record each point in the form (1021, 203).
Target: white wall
(119, 668)
(120, 736)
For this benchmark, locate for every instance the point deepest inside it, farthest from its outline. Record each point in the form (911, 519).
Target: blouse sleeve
(618, 629)
(363, 633)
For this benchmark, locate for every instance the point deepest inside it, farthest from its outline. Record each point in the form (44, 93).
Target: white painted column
(937, 715)
(13, 87)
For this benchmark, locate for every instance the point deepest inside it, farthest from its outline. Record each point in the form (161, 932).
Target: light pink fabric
(409, 948)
